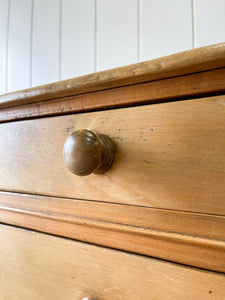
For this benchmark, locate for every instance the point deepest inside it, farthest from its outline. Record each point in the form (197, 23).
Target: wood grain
(205, 83)
(47, 267)
(169, 155)
(188, 238)
(187, 62)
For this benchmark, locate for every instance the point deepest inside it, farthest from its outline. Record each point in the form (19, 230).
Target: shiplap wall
(43, 41)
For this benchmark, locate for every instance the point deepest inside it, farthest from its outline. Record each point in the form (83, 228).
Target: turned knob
(86, 152)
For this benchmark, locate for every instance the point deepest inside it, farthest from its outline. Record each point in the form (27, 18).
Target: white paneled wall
(209, 22)
(43, 41)
(168, 32)
(4, 9)
(117, 33)
(78, 38)
(19, 44)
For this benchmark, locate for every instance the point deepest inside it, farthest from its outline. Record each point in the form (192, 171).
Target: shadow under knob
(86, 152)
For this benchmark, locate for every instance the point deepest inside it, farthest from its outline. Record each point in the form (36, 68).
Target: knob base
(108, 154)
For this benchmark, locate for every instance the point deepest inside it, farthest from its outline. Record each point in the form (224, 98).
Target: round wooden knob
(86, 152)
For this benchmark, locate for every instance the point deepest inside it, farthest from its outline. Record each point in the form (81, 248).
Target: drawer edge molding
(115, 227)
(175, 88)
(186, 62)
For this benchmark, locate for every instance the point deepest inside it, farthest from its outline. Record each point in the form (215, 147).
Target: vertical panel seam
(193, 23)
(60, 39)
(7, 50)
(138, 30)
(31, 42)
(96, 36)
(95, 42)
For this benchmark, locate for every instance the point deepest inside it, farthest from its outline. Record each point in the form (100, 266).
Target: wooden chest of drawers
(163, 195)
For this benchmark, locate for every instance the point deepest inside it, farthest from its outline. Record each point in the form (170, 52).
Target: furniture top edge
(182, 63)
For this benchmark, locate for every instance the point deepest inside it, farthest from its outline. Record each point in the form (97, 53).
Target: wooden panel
(39, 266)
(166, 27)
(187, 62)
(117, 33)
(19, 45)
(205, 83)
(78, 38)
(169, 155)
(188, 238)
(4, 10)
(45, 48)
(209, 22)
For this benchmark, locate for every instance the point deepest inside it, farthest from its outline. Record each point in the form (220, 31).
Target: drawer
(39, 266)
(169, 155)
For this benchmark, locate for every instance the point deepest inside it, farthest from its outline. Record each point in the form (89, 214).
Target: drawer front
(169, 155)
(39, 266)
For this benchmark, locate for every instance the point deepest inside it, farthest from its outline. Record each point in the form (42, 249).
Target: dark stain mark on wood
(146, 161)
(69, 129)
(118, 138)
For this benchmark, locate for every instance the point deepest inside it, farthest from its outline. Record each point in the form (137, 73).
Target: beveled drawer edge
(206, 83)
(83, 224)
(186, 62)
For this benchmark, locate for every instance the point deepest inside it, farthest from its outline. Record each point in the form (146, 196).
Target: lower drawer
(40, 266)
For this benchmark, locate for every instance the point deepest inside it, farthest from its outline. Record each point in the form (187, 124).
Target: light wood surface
(38, 266)
(187, 62)
(162, 197)
(169, 155)
(188, 238)
(181, 87)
